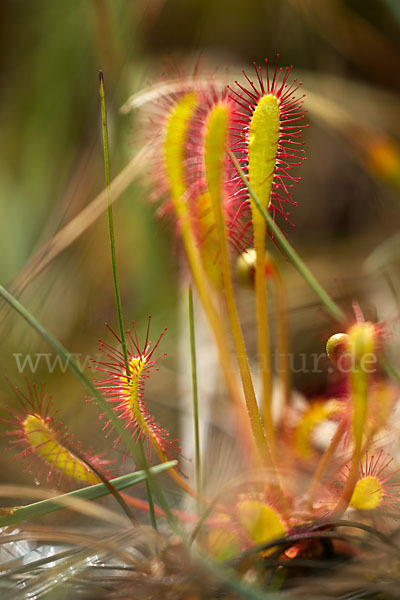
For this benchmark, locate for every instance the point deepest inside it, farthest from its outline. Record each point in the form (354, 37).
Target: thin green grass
(44, 507)
(116, 280)
(195, 395)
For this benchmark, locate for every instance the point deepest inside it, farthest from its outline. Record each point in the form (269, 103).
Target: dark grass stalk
(112, 490)
(195, 395)
(385, 539)
(197, 529)
(115, 274)
(152, 513)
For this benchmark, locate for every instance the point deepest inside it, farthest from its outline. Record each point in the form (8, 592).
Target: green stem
(111, 220)
(263, 341)
(44, 507)
(152, 512)
(350, 484)
(282, 332)
(290, 252)
(217, 327)
(359, 393)
(241, 353)
(115, 271)
(195, 395)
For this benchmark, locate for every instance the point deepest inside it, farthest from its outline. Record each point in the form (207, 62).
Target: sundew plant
(303, 502)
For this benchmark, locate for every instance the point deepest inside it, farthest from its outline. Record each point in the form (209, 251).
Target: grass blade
(290, 252)
(44, 507)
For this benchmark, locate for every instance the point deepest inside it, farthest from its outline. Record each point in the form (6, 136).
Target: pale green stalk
(115, 275)
(214, 153)
(195, 395)
(111, 221)
(44, 507)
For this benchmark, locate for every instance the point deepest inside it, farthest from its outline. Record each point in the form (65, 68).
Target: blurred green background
(51, 164)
